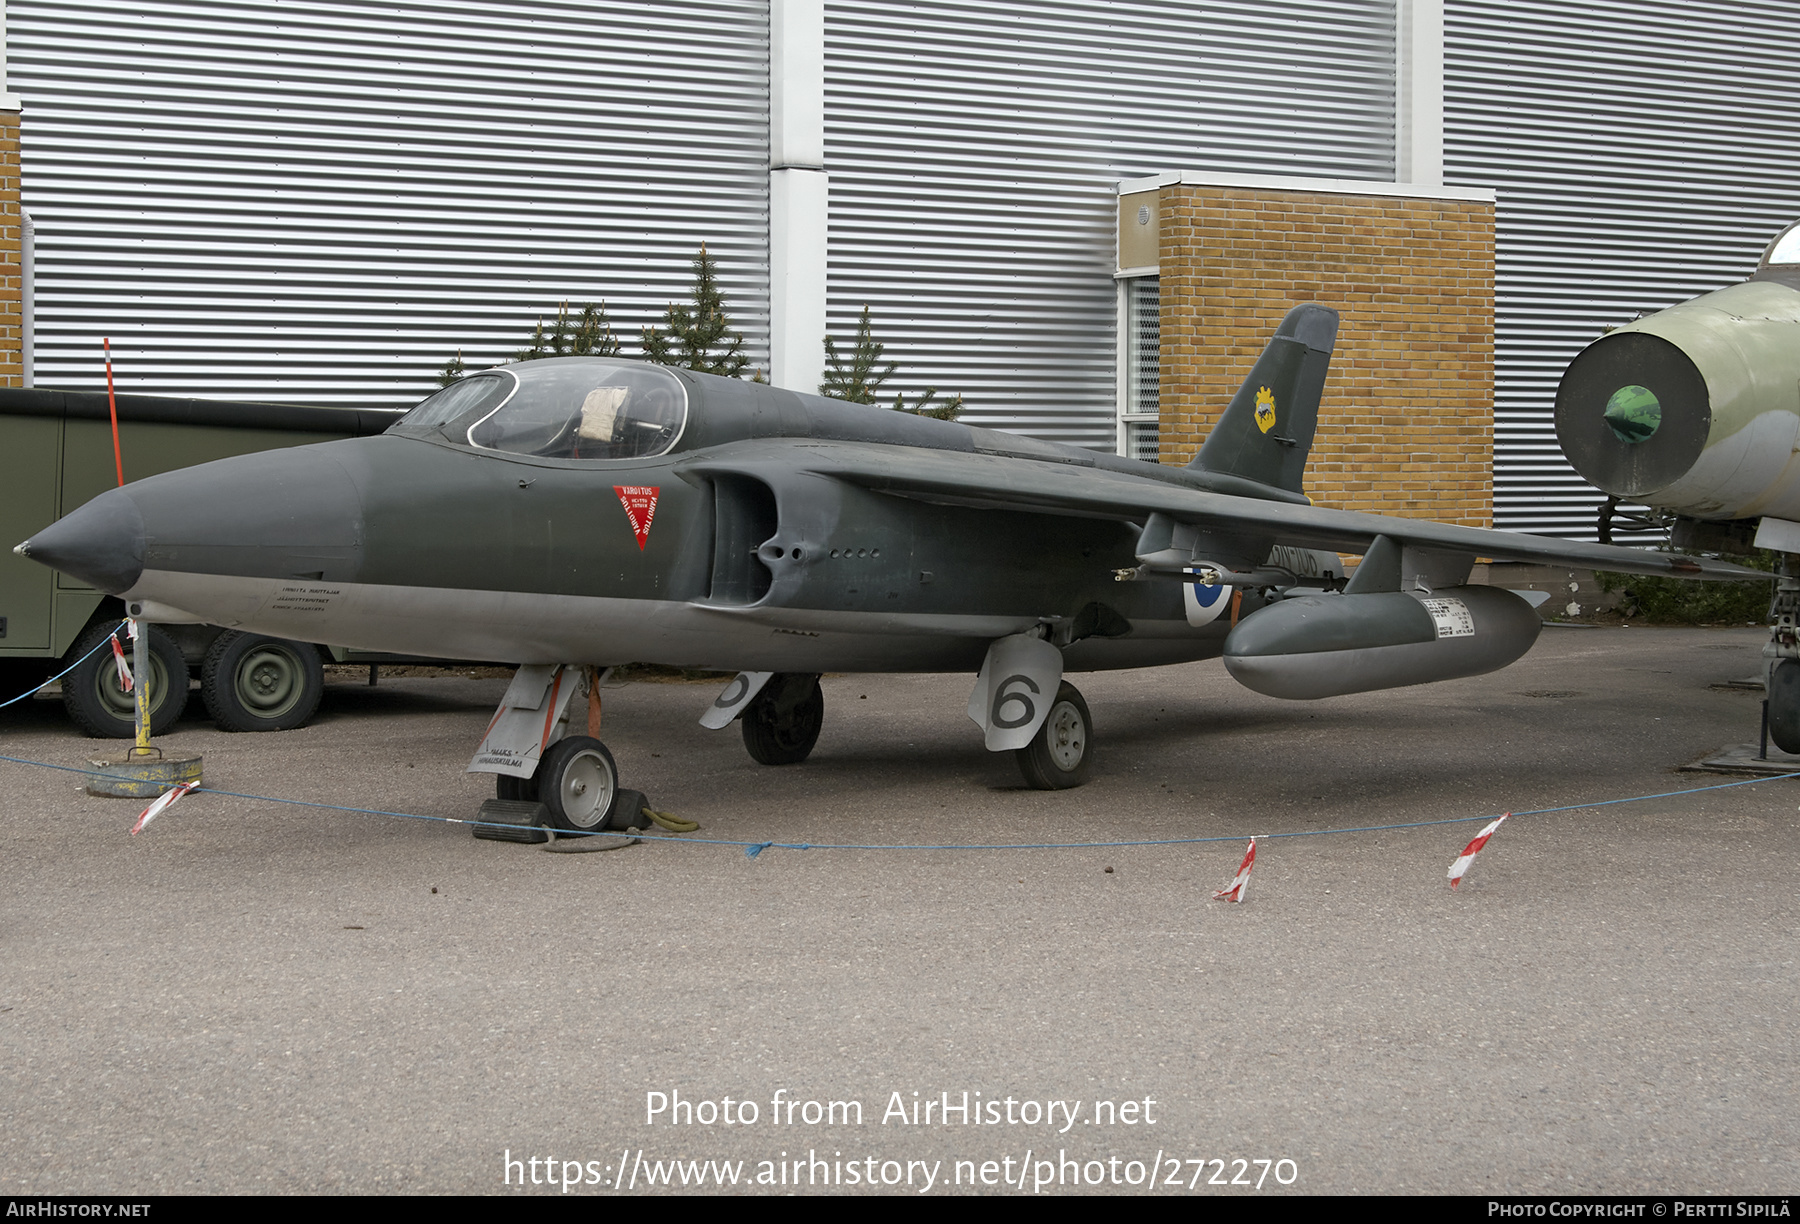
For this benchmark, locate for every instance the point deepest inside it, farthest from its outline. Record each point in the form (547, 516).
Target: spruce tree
(453, 371)
(859, 378)
(701, 339)
(949, 410)
(591, 335)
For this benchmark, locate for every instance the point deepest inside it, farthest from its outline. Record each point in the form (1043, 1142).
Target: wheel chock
(512, 820)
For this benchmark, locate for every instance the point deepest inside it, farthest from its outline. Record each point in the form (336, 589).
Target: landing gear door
(1015, 690)
(739, 693)
(526, 722)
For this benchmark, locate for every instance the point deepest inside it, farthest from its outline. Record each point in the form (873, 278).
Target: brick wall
(1406, 426)
(12, 367)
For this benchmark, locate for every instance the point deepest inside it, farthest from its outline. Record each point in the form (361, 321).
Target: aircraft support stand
(145, 771)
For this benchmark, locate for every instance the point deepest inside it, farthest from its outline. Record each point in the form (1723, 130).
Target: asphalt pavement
(258, 997)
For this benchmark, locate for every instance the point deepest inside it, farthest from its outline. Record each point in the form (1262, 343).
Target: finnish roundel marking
(1204, 603)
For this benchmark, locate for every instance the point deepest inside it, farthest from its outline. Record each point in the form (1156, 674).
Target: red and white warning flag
(1461, 866)
(166, 799)
(1234, 891)
(119, 662)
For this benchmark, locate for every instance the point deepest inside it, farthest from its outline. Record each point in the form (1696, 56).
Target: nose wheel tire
(1059, 755)
(515, 789)
(578, 784)
(782, 724)
(98, 704)
(255, 683)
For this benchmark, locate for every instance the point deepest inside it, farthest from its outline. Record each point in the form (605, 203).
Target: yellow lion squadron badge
(1265, 409)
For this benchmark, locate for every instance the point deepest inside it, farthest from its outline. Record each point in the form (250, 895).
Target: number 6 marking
(1002, 697)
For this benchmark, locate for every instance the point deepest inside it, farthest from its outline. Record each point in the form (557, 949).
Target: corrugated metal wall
(1644, 151)
(320, 202)
(973, 150)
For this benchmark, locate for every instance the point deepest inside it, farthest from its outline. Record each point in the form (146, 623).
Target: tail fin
(1267, 430)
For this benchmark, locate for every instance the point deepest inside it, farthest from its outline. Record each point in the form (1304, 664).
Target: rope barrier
(752, 849)
(32, 692)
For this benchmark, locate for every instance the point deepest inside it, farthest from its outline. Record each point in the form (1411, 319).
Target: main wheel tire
(578, 784)
(255, 683)
(1784, 706)
(98, 704)
(1058, 756)
(774, 739)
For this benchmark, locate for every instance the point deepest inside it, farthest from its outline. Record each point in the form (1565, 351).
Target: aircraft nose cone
(101, 544)
(281, 514)
(287, 513)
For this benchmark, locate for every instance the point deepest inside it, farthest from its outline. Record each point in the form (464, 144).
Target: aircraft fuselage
(730, 551)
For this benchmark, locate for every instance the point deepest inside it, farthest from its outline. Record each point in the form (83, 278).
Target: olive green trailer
(56, 453)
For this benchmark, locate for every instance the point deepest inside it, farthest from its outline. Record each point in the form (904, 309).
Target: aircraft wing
(1028, 484)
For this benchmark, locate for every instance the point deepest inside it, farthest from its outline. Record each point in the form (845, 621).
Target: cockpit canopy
(560, 408)
(1785, 249)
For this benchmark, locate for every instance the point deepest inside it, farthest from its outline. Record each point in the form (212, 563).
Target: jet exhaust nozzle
(1694, 409)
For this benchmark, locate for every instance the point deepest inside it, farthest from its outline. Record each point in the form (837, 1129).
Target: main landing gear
(782, 713)
(1783, 658)
(782, 724)
(1057, 757)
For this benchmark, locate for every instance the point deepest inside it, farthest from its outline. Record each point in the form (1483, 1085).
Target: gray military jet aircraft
(571, 513)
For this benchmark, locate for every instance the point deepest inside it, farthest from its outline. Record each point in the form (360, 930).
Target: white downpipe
(1419, 92)
(798, 214)
(799, 194)
(27, 301)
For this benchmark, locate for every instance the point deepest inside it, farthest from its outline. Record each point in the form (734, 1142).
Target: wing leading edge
(1007, 483)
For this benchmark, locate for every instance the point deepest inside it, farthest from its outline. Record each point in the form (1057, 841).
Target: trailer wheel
(98, 704)
(255, 683)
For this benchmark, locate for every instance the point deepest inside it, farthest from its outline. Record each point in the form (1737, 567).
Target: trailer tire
(100, 706)
(255, 683)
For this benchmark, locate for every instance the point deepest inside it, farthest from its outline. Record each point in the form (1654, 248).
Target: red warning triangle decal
(640, 507)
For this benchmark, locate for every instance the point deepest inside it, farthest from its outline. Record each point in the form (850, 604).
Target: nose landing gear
(578, 784)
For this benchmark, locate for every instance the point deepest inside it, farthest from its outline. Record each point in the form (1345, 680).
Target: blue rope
(65, 671)
(753, 849)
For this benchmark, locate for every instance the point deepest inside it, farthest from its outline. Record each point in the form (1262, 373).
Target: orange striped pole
(112, 405)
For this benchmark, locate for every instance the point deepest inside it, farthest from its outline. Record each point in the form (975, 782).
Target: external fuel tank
(1328, 645)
